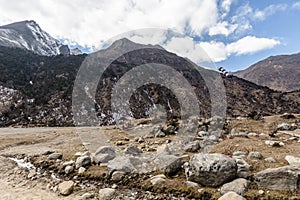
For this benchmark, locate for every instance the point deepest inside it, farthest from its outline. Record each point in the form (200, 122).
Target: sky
(233, 33)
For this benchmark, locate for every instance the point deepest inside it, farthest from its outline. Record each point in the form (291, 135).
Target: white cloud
(225, 5)
(222, 28)
(270, 10)
(250, 44)
(92, 22)
(296, 5)
(89, 22)
(218, 51)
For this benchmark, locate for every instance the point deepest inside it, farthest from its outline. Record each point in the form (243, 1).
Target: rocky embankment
(229, 164)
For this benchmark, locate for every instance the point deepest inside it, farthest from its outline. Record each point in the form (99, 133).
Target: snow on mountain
(28, 35)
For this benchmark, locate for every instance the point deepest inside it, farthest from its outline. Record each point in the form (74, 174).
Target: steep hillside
(40, 88)
(276, 72)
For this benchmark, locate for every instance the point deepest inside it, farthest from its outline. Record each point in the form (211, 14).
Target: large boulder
(104, 154)
(211, 169)
(121, 164)
(281, 178)
(169, 164)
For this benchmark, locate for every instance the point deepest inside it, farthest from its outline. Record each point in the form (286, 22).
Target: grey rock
(81, 170)
(293, 160)
(192, 184)
(55, 156)
(282, 178)
(239, 153)
(86, 196)
(83, 161)
(69, 169)
(103, 158)
(192, 147)
(203, 133)
(286, 127)
(231, 196)
(121, 164)
(252, 134)
(239, 186)
(66, 187)
(211, 169)
(236, 133)
(157, 180)
(105, 150)
(274, 143)
(254, 155)
(68, 163)
(159, 133)
(169, 164)
(117, 176)
(104, 154)
(270, 159)
(106, 193)
(133, 150)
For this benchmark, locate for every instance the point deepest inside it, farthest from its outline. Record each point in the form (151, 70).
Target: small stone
(106, 193)
(69, 169)
(117, 176)
(55, 156)
(114, 186)
(83, 161)
(31, 174)
(254, 155)
(81, 170)
(159, 176)
(261, 192)
(239, 153)
(78, 154)
(274, 143)
(65, 188)
(252, 134)
(270, 159)
(292, 160)
(231, 196)
(71, 162)
(192, 184)
(239, 186)
(87, 196)
(55, 188)
(158, 180)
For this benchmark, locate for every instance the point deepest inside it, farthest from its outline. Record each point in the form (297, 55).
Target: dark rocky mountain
(38, 89)
(28, 35)
(280, 73)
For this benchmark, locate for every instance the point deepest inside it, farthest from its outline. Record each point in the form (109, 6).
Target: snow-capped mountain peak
(29, 35)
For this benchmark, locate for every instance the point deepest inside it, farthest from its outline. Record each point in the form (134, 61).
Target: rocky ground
(252, 159)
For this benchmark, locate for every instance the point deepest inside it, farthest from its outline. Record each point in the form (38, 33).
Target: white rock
(66, 187)
(231, 196)
(270, 159)
(158, 180)
(69, 169)
(292, 160)
(106, 193)
(87, 196)
(81, 170)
